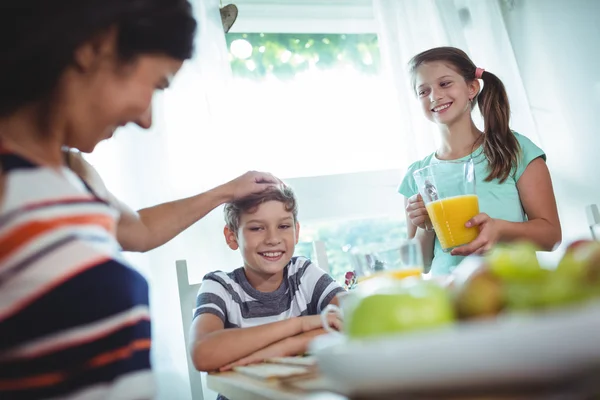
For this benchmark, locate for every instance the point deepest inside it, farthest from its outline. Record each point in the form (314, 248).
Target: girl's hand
(489, 234)
(417, 213)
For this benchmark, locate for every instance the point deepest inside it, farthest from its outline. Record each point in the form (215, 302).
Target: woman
(74, 320)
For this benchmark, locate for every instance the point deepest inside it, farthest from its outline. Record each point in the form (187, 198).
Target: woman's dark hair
(500, 145)
(38, 39)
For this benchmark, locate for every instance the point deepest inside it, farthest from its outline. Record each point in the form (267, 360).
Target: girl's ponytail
(499, 143)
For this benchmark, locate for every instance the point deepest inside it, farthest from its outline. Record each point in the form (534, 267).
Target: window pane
(311, 104)
(341, 236)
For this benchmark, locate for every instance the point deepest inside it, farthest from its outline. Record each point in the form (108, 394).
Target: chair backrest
(187, 300)
(320, 253)
(593, 219)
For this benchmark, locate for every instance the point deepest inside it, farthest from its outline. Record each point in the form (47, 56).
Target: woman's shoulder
(88, 174)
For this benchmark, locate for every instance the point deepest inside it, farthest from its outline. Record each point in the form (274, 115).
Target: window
(341, 236)
(311, 104)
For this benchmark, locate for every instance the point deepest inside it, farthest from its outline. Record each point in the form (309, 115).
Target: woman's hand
(417, 213)
(249, 183)
(489, 235)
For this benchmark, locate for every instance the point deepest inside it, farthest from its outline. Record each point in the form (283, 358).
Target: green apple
(410, 305)
(516, 262)
(552, 292)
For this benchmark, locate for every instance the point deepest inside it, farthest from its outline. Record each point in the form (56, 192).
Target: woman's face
(100, 92)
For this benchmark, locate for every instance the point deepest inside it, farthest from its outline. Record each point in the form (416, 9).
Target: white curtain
(407, 27)
(193, 143)
(178, 157)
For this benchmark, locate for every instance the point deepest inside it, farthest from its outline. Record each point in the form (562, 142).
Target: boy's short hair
(284, 194)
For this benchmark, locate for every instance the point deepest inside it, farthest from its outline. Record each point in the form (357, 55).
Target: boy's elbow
(200, 358)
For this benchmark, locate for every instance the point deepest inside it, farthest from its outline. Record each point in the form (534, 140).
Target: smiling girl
(513, 183)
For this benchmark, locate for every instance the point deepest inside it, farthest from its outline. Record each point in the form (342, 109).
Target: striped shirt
(305, 290)
(74, 317)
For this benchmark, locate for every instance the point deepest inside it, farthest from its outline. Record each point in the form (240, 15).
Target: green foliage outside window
(283, 55)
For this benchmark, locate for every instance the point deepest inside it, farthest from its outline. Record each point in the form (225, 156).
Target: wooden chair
(187, 300)
(320, 257)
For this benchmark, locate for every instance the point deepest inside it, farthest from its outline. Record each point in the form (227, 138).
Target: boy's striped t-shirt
(74, 317)
(305, 290)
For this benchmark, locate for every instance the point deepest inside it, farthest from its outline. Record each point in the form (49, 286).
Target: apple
(516, 262)
(480, 295)
(552, 292)
(579, 243)
(412, 304)
(581, 261)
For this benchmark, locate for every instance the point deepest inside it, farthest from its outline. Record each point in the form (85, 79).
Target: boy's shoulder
(298, 264)
(228, 280)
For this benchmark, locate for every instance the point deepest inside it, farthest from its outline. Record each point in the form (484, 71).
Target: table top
(238, 386)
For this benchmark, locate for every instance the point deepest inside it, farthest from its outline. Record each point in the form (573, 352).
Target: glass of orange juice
(448, 191)
(397, 262)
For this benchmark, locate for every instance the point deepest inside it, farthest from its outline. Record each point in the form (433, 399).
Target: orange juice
(394, 274)
(449, 217)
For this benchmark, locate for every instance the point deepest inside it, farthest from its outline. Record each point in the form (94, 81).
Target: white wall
(556, 45)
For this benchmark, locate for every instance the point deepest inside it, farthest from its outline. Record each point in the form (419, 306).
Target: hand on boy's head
(252, 182)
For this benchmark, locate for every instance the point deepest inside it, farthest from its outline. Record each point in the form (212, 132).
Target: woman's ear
(230, 238)
(103, 45)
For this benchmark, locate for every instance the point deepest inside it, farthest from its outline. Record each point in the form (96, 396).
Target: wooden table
(236, 386)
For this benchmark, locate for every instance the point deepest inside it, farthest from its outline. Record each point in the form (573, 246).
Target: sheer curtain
(195, 143)
(407, 27)
(178, 157)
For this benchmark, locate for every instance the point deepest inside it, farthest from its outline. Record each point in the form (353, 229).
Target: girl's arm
(537, 196)
(542, 227)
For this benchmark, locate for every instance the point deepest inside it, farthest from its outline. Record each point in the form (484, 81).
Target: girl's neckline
(474, 154)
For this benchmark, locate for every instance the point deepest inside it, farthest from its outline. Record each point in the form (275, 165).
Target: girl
(74, 317)
(515, 192)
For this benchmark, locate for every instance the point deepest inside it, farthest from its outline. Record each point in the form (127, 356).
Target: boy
(269, 307)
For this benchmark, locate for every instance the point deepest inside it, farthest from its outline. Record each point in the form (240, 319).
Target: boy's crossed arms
(217, 348)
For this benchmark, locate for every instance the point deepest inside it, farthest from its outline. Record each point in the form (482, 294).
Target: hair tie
(479, 72)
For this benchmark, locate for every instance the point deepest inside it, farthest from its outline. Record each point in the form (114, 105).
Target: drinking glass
(448, 191)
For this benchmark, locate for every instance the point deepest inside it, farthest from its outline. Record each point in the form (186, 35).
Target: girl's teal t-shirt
(498, 200)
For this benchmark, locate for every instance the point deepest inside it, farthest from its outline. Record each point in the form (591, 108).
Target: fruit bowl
(512, 349)
(515, 323)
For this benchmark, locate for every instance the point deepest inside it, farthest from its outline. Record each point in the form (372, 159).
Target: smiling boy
(269, 307)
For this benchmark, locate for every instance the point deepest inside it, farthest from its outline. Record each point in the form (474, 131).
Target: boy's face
(266, 238)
